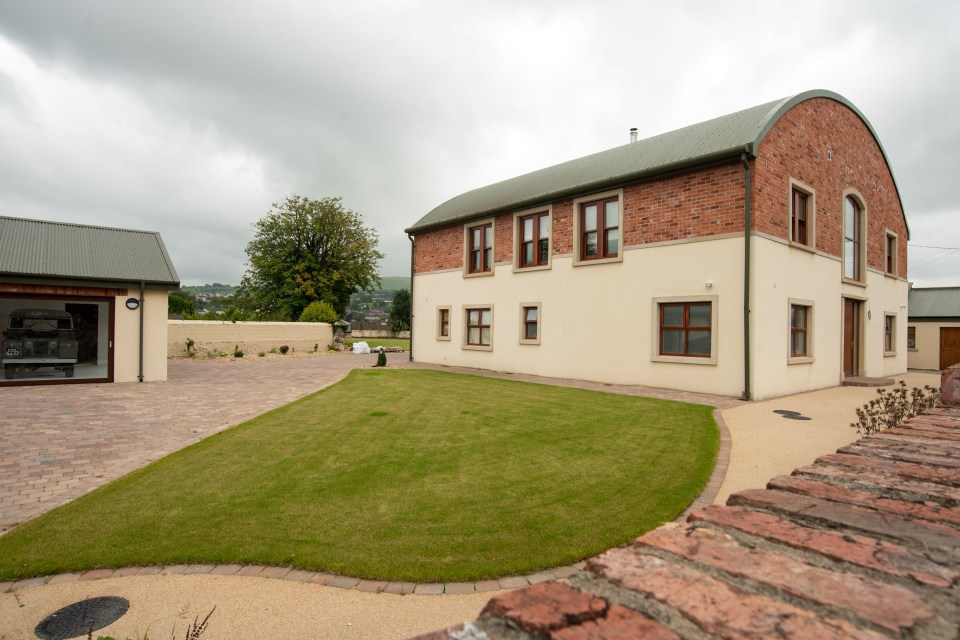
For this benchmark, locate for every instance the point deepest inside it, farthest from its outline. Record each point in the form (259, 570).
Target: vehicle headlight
(28, 343)
(53, 344)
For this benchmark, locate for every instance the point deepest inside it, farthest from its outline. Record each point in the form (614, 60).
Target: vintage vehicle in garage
(38, 338)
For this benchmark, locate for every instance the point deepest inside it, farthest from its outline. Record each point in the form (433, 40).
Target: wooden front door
(851, 337)
(949, 347)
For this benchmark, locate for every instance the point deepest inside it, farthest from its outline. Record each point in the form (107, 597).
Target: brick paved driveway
(59, 442)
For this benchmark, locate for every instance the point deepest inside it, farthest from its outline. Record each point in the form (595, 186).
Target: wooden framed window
(890, 251)
(600, 229)
(686, 329)
(799, 217)
(530, 323)
(911, 337)
(443, 323)
(889, 334)
(480, 248)
(479, 327)
(852, 239)
(533, 238)
(799, 326)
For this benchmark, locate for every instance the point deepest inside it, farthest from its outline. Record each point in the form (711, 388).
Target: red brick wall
(710, 201)
(797, 147)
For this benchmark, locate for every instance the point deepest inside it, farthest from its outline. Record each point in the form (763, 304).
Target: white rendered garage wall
(127, 337)
(927, 353)
(597, 321)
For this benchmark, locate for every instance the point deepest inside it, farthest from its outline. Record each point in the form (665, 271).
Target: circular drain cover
(74, 620)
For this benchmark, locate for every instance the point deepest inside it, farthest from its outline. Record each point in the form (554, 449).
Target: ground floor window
(889, 334)
(530, 323)
(55, 338)
(799, 319)
(479, 327)
(443, 323)
(685, 329)
(911, 337)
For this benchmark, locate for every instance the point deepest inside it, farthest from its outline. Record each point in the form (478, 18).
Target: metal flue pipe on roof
(633, 134)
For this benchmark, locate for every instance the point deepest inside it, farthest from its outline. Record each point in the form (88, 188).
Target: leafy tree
(181, 303)
(319, 311)
(400, 311)
(306, 250)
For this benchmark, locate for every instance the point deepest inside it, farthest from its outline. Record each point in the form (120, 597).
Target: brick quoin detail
(863, 544)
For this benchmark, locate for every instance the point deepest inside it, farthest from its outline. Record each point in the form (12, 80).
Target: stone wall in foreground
(864, 543)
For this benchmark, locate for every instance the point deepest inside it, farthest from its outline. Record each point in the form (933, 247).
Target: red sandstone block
(909, 470)
(924, 510)
(863, 551)
(445, 634)
(898, 451)
(715, 606)
(889, 606)
(815, 509)
(917, 490)
(902, 437)
(546, 607)
(621, 623)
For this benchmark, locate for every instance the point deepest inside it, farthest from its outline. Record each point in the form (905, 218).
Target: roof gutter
(747, 225)
(686, 164)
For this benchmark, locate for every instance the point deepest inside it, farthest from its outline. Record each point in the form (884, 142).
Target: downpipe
(747, 226)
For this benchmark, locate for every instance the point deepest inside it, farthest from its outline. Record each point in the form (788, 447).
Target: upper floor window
(600, 229)
(533, 236)
(480, 248)
(852, 239)
(890, 254)
(800, 217)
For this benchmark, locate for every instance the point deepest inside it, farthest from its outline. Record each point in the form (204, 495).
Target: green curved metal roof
(726, 137)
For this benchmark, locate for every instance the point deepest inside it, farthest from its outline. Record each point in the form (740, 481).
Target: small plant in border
(284, 348)
(237, 352)
(892, 407)
(190, 351)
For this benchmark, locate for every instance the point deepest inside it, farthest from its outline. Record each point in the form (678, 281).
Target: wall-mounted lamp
(708, 284)
(132, 304)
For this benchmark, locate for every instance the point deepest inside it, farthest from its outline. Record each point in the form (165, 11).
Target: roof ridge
(78, 224)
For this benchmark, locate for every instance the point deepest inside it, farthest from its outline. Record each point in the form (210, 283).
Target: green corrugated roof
(722, 138)
(38, 248)
(935, 302)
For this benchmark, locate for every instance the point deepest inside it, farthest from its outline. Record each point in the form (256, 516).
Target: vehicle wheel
(68, 372)
(8, 370)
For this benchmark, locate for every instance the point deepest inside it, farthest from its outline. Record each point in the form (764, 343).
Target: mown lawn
(395, 475)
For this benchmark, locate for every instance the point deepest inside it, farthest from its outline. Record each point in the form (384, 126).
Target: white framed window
(598, 228)
(478, 327)
(685, 329)
(912, 338)
(889, 334)
(530, 323)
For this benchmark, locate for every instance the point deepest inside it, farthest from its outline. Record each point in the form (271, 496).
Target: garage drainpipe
(140, 374)
(410, 355)
(747, 224)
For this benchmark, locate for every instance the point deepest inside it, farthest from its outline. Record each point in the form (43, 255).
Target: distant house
(87, 304)
(756, 254)
(933, 329)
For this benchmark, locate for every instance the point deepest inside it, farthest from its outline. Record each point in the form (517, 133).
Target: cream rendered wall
(127, 337)
(597, 321)
(927, 353)
(782, 273)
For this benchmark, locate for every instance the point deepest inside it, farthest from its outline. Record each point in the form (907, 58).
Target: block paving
(861, 544)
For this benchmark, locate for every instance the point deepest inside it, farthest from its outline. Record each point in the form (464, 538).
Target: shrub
(261, 354)
(381, 358)
(190, 352)
(315, 346)
(890, 408)
(284, 348)
(318, 311)
(237, 353)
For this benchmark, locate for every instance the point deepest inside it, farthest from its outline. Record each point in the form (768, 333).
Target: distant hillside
(394, 283)
(207, 290)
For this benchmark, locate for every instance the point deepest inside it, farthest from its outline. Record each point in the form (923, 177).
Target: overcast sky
(191, 118)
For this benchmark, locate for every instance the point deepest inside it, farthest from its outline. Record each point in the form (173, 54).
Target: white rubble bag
(361, 347)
